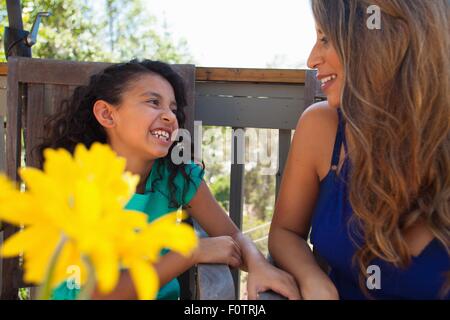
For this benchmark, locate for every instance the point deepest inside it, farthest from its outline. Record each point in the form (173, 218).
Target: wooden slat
(214, 281)
(236, 75)
(237, 192)
(10, 267)
(56, 71)
(251, 112)
(187, 72)
(35, 122)
(250, 75)
(53, 97)
(14, 114)
(3, 80)
(284, 143)
(2, 145)
(255, 90)
(3, 69)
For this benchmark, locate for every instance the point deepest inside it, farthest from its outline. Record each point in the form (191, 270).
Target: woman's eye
(324, 40)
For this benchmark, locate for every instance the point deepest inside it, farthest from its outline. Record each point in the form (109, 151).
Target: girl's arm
(295, 203)
(171, 265)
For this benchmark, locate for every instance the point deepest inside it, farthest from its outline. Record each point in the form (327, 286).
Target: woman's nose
(314, 58)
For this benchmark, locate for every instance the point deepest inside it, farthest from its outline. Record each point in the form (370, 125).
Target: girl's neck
(140, 167)
(135, 165)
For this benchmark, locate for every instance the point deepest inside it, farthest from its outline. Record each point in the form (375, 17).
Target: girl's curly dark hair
(75, 122)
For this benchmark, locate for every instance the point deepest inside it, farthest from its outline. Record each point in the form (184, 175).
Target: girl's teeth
(163, 135)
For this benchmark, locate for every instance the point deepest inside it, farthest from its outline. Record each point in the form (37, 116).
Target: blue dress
(333, 238)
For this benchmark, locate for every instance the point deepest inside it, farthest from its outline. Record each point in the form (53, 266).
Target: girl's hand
(318, 286)
(223, 250)
(264, 277)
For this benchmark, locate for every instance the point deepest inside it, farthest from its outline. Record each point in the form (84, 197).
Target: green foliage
(24, 294)
(107, 30)
(220, 188)
(259, 193)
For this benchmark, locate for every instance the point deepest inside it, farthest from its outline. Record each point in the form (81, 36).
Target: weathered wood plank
(214, 281)
(2, 145)
(187, 72)
(284, 143)
(255, 90)
(3, 81)
(250, 75)
(57, 71)
(236, 75)
(3, 69)
(10, 267)
(237, 189)
(54, 96)
(253, 112)
(35, 122)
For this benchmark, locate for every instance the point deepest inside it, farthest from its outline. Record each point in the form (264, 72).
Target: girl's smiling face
(145, 119)
(330, 71)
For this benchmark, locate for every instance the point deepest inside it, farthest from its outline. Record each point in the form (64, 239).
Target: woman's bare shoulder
(316, 131)
(319, 114)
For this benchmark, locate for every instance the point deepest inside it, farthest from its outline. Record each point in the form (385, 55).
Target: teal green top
(155, 202)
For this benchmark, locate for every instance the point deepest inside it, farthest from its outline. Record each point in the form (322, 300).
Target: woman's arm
(295, 203)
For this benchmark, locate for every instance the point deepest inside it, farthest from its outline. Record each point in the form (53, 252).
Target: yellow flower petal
(165, 231)
(106, 264)
(69, 265)
(87, 203)
(37, 261)
(145, 280)
(26, 240)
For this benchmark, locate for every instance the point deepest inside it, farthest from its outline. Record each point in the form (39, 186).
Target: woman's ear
(103, 113)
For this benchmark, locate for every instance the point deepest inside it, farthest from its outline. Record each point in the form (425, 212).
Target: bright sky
(241, 33)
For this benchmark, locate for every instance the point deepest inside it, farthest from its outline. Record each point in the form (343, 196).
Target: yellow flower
(76, 205)
(163, 233)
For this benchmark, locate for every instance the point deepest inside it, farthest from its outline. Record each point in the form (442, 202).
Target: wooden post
(284, 143)
(237, 190)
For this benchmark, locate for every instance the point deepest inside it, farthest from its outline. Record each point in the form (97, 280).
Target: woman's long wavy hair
(395, 102)
(75, 122)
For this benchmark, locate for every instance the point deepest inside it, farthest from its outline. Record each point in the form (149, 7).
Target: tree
(98, 31)
(132, 32)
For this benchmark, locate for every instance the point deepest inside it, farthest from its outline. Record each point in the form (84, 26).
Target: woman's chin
(333, 102)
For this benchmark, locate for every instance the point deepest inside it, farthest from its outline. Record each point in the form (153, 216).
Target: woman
(369, 169)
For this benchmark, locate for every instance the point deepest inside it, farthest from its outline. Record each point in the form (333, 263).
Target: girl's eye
(154, 102)
(324, 40)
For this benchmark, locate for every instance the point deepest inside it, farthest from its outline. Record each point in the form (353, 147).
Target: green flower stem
(89, 287)
(45, 290)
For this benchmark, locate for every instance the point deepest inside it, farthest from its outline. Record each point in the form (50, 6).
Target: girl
(136, 107)
(369, 170)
